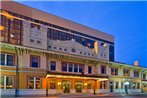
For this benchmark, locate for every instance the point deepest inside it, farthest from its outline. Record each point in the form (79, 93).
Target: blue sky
(125, 20)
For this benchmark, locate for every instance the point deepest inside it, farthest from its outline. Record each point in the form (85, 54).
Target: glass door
(79, 86)
(66, 86)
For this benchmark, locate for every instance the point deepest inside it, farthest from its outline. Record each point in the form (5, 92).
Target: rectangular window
(116, 85)
(64, 66)
(80, 68)
(89, 69)
(75, 67)
(103, 69)
(70, 67)
(35, 61)
(126, 72)
(6, 82)
(144, 76)
(114, 71)
(34, 83)
(122, 85)
(7, 59)
(52, 84)
(136, 73)
(53, 65)
(138, 85)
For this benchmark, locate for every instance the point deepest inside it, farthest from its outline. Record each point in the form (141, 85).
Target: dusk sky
(126, 21)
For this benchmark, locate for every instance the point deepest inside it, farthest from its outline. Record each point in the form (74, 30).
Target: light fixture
(59, 83)
(2, 28)
(127, 83)
(11, 35)
(105, 45)
(85, 84)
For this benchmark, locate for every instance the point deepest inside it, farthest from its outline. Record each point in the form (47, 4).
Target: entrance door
(66, 86)
(78, 87)
(111, 86)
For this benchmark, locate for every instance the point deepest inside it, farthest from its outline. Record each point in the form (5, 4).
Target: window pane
(35, 62)
(2, 82)
(75, 68)
(80, 68)
(38, 84)
(89, 69)
(53, 66)
(31, 84)
(10, 60)
(9, 82)
(70, 67)
(2, 61)
(64, 66)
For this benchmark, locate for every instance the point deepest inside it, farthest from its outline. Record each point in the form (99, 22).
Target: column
(72, 86)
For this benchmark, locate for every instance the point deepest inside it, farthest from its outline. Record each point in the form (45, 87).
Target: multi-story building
(45, 54)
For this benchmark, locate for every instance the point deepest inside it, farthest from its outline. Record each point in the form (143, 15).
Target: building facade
(45, 54)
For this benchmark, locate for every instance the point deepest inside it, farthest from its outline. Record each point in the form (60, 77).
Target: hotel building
(44, 54)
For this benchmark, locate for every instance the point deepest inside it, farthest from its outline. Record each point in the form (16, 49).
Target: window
(53, 65)
(89, 86)
(6, 82)
(52, 84)
(116, 85)
(80, 68)
(75, 67)
(35, 61)
(126, 72)
(13, 32)
(89, 69)
(64, 66)
(138, 85)
(34, 83)
(134, 85)
(7, 59)
(136, 73)
(114, 71)
(70, 67)
(103, 69)
(122, 85)
(144, 76)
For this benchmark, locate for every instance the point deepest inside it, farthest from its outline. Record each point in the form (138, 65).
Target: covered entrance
(66, 85)
(78, 86)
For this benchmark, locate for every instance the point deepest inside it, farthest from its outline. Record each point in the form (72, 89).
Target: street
(83, 96)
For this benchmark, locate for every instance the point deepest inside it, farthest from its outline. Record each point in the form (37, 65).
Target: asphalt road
(118, 96)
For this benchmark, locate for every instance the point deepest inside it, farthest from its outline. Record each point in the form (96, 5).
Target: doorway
(111, 86)
(78, 86)
(66, 86)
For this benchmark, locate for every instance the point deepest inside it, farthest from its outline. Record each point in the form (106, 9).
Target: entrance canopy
(76, 76)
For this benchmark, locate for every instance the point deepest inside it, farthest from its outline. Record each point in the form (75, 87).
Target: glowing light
(11, 35)
(127, 83)
(105, 45)
(7, 15)
(2, 28)
(59, 83)
(85, 84)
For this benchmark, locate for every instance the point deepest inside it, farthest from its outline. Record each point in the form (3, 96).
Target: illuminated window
(35, 61)
(6, 82)
(13, 31)
(34, 83)
(52, 84)
(7, 59)
(126, 72)
(114, 71)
